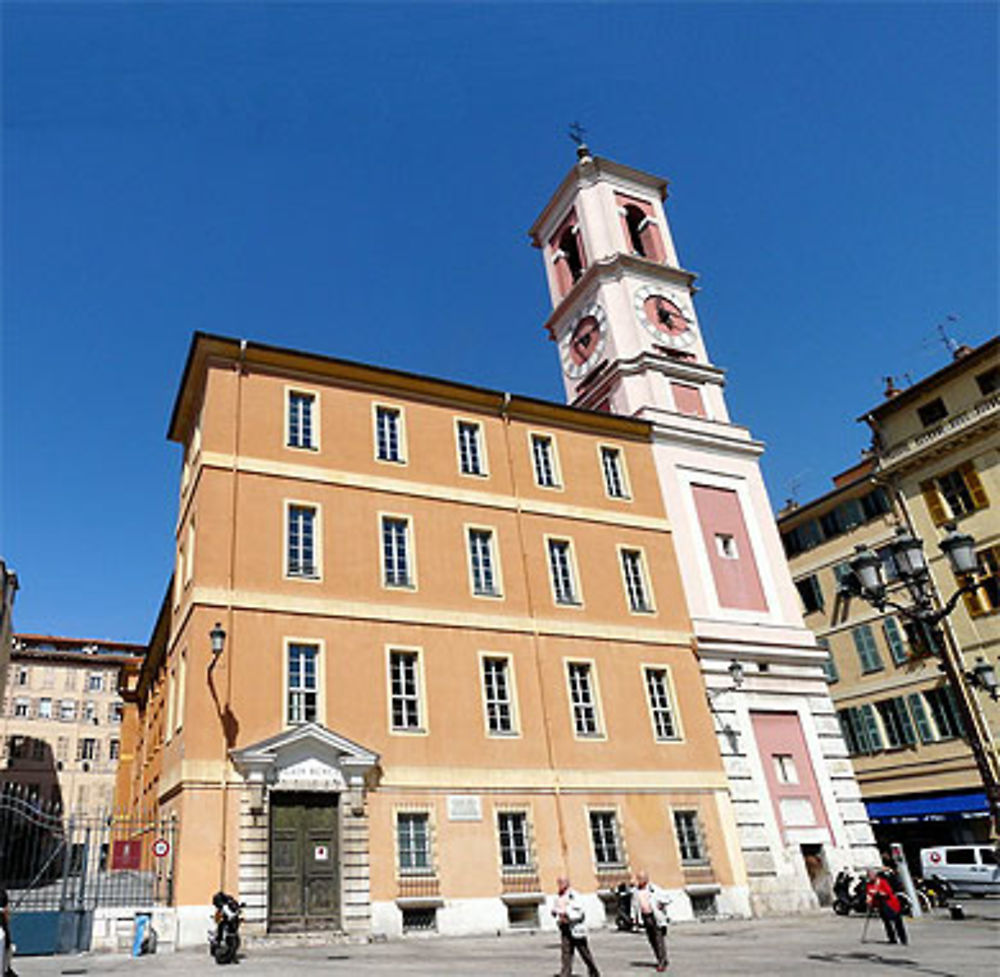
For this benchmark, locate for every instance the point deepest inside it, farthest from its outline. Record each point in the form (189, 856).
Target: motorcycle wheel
(841, 908)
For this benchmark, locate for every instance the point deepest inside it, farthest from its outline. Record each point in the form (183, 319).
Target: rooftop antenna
(942, 327)
(577, 133)
(793, 485)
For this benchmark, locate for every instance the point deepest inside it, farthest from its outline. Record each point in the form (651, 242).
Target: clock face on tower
(664, 317)
(584, 341)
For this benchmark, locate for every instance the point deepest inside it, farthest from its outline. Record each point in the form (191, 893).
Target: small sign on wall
(321, 853)
(465, 807)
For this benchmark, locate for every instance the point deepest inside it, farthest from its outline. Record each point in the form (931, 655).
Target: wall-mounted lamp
(736, 675)
(218, 638)
(983, 676)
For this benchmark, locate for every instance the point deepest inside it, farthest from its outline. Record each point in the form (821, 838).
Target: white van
(969, 868)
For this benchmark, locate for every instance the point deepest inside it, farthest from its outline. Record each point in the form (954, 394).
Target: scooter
(224, 940)
(849, 894)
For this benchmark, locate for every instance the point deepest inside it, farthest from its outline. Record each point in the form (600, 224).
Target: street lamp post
(906, 552)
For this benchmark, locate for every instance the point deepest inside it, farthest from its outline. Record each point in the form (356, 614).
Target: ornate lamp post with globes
(926, 613)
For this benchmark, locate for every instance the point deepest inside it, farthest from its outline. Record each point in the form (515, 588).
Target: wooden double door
(304, 862)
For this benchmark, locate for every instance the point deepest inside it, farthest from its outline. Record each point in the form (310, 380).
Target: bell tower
(630, 342)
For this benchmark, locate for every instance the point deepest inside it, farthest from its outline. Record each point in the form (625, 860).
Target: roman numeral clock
(584, 342)
(665, 316)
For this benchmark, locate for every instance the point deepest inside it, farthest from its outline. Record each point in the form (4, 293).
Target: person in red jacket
(882, 899)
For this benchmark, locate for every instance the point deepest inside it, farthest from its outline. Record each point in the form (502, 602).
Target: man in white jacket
(570, 917)
(649, 909)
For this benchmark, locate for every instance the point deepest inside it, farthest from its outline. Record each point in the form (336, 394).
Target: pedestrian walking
(6, 950)
(883, 900)
(570, 917)
(649, 907)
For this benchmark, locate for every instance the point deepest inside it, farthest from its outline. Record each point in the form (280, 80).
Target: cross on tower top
(577, 133)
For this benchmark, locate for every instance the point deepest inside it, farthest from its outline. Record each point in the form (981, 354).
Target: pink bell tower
(630, 343)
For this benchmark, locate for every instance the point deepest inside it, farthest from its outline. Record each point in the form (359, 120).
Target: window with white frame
(658, 695)
(784, 768)
(396, 552)
(635, 582)
(482, 565)
(561, 570)
(87, 749)
(404, 683)
(413, 843)
(543, 456)
(22, 708)
(302, 541)
(690, 840)
(515, 842)
(22, 675)
(95, 682)
(114, 749)
(300, 419)
(583, 701)
(614, 473)
(605, 839)
(45, 708)
(725, 546)
(388, 433)
(90, 712)
(470, 451)
(303, 683)
(114, 712)
(67, 709)
(497, 695)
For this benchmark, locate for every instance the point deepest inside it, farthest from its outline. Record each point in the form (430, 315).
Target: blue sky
(358, 180)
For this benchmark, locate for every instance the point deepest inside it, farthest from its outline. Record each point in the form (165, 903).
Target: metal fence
(56, 862)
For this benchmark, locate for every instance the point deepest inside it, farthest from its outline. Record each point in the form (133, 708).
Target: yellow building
(61, 721)
(934, 462)
(457, 660)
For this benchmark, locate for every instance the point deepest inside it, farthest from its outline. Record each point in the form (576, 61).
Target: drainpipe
(535, 636)
(230, 583)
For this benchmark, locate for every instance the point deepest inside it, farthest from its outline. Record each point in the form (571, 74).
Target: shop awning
(929, 807)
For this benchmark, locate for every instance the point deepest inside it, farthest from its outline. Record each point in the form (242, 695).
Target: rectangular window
(932, 412)
(985, 599)
(396, 552)
(302, 541)
(989, 382)
(300, 419)
(561, 570)
(660, 703)
(497, 696)
(946, 716)
(689, 837)
(920, 718)
(115, 712)
(62, 748)
(67, 709)
(404, 680)
(87, 749)
(44, 708)
(90, 712)
(829, 664)
(582, 699)
(388, 434)
(22, 708)
(302, 683)
(413, 842)
(605, 839)
(954, 494)
(894, 639)
(114, 749)
(896, 723)
(872, 731)
(614, 475)
(515, 842)
(875, 503)
(635, 582)
(95, 682)
(810, 592)
(784, 768)
(864, 642)
(543, 456)
(470, 455)
(481, 563)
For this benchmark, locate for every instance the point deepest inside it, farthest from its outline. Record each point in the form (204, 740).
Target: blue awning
(933, 807)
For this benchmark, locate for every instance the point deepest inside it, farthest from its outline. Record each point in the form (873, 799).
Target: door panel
(304, 863)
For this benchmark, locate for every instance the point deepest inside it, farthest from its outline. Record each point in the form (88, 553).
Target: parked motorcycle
(224, 940)
(938, 891)
(849, 894)
(623, 913)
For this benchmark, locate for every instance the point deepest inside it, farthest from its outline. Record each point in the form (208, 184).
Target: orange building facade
(457, 660)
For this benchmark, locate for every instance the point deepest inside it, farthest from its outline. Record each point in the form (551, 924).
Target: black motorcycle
(623, 912)
(849, 894)
(224, 940)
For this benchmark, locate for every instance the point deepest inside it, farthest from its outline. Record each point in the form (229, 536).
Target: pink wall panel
(800, 804)
(737, 581)
(688, 399)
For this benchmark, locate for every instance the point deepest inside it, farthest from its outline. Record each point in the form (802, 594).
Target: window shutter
(934, 502)
(972, 606)
(971, 477)
(920, 717)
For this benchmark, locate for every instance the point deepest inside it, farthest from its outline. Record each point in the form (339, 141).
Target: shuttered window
(864, 642)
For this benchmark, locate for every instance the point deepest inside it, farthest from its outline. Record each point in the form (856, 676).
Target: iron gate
(58, 868)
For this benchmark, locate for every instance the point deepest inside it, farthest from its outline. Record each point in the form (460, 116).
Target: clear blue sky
(239, 169)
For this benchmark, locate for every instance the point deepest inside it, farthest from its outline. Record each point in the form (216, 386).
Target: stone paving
(804, 946)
